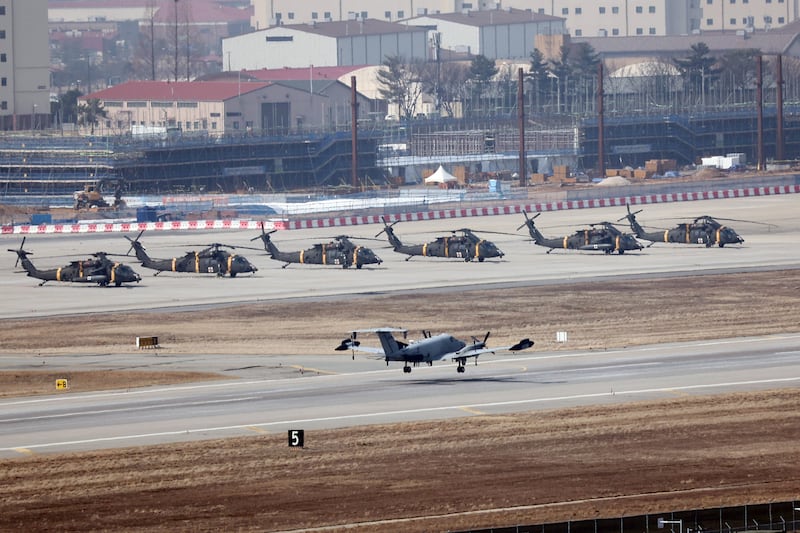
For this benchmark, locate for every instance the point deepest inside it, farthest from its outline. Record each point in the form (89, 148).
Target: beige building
(222, 107)
(268, 13)
(24, 65)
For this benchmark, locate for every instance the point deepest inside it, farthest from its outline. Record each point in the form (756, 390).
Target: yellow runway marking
(25, 451)
(472, 411)
(258, 430)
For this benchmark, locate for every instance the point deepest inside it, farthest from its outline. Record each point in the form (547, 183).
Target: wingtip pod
(521, 345)
(347, 344)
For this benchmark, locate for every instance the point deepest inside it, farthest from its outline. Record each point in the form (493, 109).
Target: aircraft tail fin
(389, 231)
(536, 235)
(388, 342)
(269, 246)
(22, 257)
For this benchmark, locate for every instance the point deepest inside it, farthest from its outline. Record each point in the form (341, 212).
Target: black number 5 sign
(296, 438)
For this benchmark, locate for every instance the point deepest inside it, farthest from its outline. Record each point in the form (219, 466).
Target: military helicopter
(466, 246)
(341, 252)
(100, 270)
(702, 230)
(211, 260)
(603, 236)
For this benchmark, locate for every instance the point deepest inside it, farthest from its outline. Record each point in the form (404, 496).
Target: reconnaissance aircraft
(466, 246)
(211, 260)
(603, 237)
(443, 347)
(702, 230)
(340, 252)
(100, 270)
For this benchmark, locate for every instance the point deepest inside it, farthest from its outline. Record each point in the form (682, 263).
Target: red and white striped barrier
(548, 206)
(376, 219)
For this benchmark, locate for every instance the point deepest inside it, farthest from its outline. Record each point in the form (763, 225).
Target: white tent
(440, 176)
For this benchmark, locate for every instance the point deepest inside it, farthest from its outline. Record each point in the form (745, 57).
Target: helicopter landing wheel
(481, 259)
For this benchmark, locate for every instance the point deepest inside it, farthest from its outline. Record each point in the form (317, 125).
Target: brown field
(431, 476)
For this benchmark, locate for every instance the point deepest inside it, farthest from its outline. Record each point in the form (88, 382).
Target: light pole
(662, 522)
(33, 117)
(176, 40)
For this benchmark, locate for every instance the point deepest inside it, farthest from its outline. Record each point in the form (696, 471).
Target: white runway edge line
(401, 412)
(620, 201)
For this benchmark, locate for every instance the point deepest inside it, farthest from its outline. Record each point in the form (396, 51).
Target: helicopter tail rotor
(134, 242)
(528, 220)
(629, 215)
(21, 253)
(386, 226)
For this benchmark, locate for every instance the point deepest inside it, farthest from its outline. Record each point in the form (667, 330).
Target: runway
(339, 392)
(766, 247)
(336, 391)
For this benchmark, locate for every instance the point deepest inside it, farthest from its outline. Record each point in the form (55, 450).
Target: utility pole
(176, 40)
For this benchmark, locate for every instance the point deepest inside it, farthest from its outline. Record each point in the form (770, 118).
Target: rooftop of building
(346, 28)
(194, 91)
(492, 17)
(775, 41)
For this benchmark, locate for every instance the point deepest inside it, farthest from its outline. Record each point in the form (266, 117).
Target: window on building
(768, 1)
(291, 15)
(401, 14)
(2, 10)
(314, 15)
(709, 22)
(651, 9)
(614, 31)
(387, 15)
(709, 2)
(602, 10)
(248, 125)
(3, 105)
(541, 11)
(213, 125)
(578, 33)
(3, 58)
(651, 31)
(327, 15)
(188, 125)
(565, 11)
(2, 34)
(364, 15)
(615, 10)
(197, 124)
(733, 1)
(639, 31)
(205, 123)
(578, 10)
(733, 21)
(4, 82)
(639, 9)
(236, 124)
(781, 20)
(745, 1)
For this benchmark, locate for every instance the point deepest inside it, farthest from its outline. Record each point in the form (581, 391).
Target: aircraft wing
(475, 351)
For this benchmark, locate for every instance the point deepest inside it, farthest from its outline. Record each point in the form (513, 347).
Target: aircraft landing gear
(460, 369)
(407, 369)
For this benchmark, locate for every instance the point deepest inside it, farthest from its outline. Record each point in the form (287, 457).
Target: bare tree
(400, 83)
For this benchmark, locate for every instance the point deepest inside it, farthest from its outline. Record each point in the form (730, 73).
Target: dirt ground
(433, 476)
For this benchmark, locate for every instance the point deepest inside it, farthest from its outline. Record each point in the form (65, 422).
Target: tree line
(568, 84)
